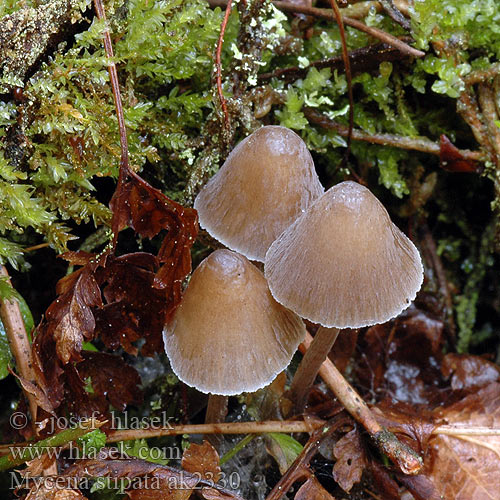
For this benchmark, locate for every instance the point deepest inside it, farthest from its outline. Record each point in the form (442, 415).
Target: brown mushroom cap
(344, 263)
(266, 182)
(229, 335)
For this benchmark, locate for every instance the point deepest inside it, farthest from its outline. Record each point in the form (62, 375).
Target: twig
(299, 469)
(19, 455)
(218, 65)
(399, 453)
(35, 247)
(362, 60)
(395, 14)
(285, 426)
(482, 75)
(327, 14)
(422, 144)
(490, 117)
(467, 106)
(12, 320)
(384, 37)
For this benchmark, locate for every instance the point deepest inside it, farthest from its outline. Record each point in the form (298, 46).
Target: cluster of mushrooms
(334, 258)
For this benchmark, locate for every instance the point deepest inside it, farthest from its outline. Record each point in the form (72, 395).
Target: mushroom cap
(266, 182)
(344, 263)
(229, 335)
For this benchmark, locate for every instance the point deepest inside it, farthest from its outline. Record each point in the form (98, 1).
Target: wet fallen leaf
(351, 460)
(283, 448)
(150, 481)
(312, 490)
(465, 467)
(102, 371)
(148, 211)
(469, 372)
(202, 459)
(134, 308)
(71, 318)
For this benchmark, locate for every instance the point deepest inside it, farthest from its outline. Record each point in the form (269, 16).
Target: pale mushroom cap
(344, 263)
(229, 335)
(266, 182)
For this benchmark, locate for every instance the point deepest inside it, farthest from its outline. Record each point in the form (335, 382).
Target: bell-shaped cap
(229, 335)
(266, 182)
(344, 263)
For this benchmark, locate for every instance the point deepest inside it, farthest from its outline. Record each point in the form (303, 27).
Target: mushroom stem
(216, 414)
(310, 365)
(216, 409)
(405, 458)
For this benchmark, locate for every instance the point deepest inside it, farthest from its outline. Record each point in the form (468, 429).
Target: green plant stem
(23, 454)
(236, 449)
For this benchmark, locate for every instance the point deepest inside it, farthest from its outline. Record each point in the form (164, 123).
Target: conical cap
(229, 335)
(344, 263)
(266, 182)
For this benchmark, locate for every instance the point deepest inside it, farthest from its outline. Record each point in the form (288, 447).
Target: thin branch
(422, 144)
(327, 14)
(285, 426)
(479, 76)
(218, 65)
(395, 14)
(405, 458)
(12, 320)
(362, 60)
(299, 470)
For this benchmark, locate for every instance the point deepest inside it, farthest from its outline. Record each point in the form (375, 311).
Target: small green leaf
(283, 448)
(92, 442)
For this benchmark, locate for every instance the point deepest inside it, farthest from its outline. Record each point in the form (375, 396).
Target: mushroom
(267, 181)
(343, 264)
(229, 335)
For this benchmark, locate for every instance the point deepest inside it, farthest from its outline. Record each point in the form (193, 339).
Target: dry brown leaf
(312, 490)
(202, 459)
(468, 467)
(351, 460)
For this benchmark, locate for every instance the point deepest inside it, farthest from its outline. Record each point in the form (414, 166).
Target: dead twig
(354, 23)
(362, 60)
(285, 426)
(405, 458)
(422, 144)
(482, 75)
(300, 467)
